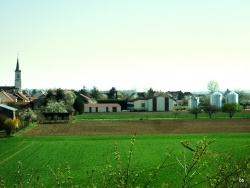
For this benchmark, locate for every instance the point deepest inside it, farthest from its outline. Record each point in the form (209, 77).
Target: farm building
(193, 102)
(57, 116)
(105, 107)
(140, 104)
(216, 99)
(8, 111)
(232, 97)
(152, 104)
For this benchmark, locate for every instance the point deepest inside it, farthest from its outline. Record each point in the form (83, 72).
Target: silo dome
(216, 99)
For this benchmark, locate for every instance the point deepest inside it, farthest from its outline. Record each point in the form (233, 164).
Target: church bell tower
(18, 82)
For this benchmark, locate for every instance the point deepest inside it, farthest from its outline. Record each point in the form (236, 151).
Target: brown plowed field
(105, 127)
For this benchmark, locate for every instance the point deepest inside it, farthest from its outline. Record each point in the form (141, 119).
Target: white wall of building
(140, 105)
(171, 104)
(150, 105)
(101, 109)
(160, 101)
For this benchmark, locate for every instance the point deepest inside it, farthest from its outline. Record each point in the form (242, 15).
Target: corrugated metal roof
(103, 105)
(8, 107)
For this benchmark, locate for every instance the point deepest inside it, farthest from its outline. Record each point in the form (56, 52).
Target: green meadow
(39, 156)
(156, 115)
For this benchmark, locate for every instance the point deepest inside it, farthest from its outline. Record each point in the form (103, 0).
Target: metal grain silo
(216, 99)
(193, 102)
(232, 97)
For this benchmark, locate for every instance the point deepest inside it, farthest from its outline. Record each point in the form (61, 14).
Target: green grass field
(88, 152)
(156, 115)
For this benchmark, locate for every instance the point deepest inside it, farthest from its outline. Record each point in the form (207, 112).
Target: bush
(10, 125)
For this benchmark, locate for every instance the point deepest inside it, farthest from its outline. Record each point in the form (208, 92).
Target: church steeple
(17, 65)
(18, 82)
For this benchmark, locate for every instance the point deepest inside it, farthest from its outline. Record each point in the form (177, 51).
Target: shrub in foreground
(8, 124)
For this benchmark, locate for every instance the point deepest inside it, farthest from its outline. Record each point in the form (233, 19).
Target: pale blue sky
(129, 44)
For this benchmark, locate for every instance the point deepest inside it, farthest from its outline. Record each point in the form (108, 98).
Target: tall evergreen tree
(150, 92)
(78, 105)
(112, 93)
(59, 94)
(95, 93)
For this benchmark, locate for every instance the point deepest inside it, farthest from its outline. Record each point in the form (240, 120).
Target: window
(142, 105)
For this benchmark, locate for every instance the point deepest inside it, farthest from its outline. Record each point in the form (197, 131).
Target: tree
(27, 116)
(180, 95)
(59, 94)
(69, 99)
(195, 111)
(84, 91)
(112, 94)
(78, 105)
(244, 98)
(150, 92)
(34, 91)
(95, 93)
(55, 107)
(210, 109)
(231, 108)
(50, 95)
(213, 86)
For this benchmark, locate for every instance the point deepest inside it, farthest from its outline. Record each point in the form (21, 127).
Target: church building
(18, 81)
(13, 94)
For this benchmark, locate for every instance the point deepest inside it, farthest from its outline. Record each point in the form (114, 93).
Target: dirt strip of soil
(112, 127)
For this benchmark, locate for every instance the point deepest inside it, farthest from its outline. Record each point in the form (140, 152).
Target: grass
(88, 152)
(154, 115)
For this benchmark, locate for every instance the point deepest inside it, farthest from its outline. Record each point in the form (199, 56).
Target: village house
(6, 98)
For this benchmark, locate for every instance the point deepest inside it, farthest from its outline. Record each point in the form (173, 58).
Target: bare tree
(210, 109)
(213, 86)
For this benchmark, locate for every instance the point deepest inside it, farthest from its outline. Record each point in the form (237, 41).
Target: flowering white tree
(69, 99)
(27, 116)
(55, 107)
(63, 105)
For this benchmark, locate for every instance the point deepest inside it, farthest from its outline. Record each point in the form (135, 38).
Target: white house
(105, 107)
(152, 104)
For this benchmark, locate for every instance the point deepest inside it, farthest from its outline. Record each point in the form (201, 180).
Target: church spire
(17, 65)
(18, 81)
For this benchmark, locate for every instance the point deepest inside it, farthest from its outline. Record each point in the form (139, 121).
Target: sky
(166, 45)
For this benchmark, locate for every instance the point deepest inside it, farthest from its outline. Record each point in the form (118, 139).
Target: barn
(104, 107)
(152, 104)
(8, 111)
